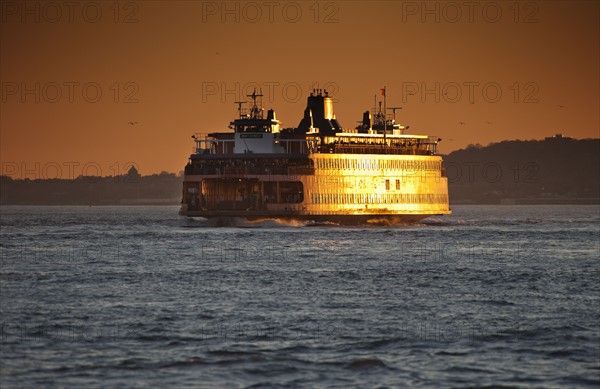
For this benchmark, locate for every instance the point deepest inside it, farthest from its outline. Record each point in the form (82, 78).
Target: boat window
(291, 192)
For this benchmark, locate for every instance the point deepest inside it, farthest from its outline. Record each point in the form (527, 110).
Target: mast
(384, 118)
(394, 112)
(256, 110)
(374, 104)
(239, 103)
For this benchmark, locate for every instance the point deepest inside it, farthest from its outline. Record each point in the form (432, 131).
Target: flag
(383, 92)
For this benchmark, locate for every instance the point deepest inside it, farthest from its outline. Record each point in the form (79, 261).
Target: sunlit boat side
(316, 171)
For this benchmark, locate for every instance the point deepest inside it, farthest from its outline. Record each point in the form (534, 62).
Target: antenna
(374, 104)
(384, 119)
(239, 103)
(255, 110)
(394, 109)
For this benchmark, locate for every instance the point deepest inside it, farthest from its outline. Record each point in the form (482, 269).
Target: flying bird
(461, 123)
(133, 123)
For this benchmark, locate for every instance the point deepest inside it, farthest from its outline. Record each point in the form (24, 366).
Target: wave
(366, 363)
(187, 362)
(240, 222)
(389, 222)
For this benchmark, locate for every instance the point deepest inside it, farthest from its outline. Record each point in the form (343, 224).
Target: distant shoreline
(532, 202)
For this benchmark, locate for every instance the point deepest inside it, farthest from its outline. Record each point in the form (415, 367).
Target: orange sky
(74, 76)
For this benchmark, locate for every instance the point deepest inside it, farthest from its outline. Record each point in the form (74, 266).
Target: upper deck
(255, 136)
(352, 143)
(218, 145)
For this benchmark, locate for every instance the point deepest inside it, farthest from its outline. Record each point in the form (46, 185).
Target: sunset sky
(104, 84)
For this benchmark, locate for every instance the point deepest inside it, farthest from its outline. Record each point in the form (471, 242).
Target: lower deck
(357, 186)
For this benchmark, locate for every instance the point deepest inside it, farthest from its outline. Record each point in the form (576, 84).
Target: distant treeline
(555, 170)
(552, 171)
(164, 188)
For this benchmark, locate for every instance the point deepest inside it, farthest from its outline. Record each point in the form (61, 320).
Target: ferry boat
(316, 171)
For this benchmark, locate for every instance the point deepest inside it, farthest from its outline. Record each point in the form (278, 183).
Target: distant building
(557, 137)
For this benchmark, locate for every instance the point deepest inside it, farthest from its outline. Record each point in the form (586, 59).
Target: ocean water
(504, 296)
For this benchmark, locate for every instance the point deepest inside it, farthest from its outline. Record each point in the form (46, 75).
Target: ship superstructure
(315, 171)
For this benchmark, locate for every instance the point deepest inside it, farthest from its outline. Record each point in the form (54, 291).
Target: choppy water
(139, 297)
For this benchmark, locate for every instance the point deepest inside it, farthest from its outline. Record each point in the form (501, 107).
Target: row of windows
(370, 164)
(387, 185)
(392, 198)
